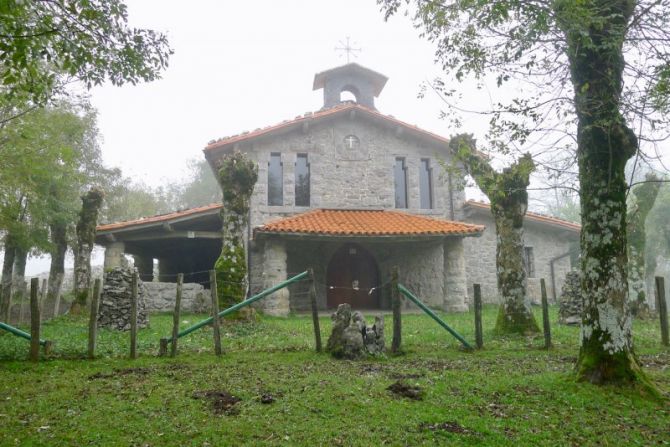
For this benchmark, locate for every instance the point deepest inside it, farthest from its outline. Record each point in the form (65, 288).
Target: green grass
(511, 393)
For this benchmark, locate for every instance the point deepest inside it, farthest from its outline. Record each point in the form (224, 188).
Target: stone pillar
(455, 281)
(274, 272)
(145, 267)
(114, 255)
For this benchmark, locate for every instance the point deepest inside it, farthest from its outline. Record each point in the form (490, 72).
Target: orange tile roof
(222, 142)
(159, 218)
(533, 216)
(338, 222)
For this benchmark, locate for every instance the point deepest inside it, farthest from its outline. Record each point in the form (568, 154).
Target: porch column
(145, 267)
(114, 255)
(455, 282)
(274, 272)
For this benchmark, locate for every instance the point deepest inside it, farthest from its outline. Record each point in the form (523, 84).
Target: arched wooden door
(352, 272)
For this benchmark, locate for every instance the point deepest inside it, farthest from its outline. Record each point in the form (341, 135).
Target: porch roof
(356, 223)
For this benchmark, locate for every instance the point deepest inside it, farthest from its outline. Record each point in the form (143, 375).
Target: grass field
(510, 393)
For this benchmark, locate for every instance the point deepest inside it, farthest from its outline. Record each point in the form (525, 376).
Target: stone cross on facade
(351, 141)
(348, 49)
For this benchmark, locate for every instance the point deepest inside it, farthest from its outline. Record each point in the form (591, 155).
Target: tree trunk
(6, 281)
(515, 314)
(19, 286)
(604, 144)
(57, 268)
(88, 219)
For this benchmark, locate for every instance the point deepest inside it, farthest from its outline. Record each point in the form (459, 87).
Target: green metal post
(242, 304)
(433, 315)
(18, 332)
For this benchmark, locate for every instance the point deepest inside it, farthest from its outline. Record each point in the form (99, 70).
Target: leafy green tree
(46, 43)
(507, 192)
(570, 56)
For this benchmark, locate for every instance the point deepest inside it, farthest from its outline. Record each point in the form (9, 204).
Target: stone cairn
(351, 337)
(570, 302)
(114, 311)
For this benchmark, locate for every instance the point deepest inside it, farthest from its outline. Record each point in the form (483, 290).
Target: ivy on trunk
(237, 177)
(507, 193)
(88, 220)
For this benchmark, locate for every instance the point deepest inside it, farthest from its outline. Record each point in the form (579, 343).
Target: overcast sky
(242, 65)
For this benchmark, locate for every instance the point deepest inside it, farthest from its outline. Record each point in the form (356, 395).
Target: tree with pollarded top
(570, 57)
(507, 193)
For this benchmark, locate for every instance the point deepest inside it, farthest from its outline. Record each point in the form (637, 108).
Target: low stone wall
(160, 297)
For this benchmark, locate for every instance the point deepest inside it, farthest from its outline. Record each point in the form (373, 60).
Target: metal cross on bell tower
(348, 49)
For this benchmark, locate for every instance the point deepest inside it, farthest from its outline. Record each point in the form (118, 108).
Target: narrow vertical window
(426, 184)
(301, 180)
(529, 262)
(275, 180)
(400, 177)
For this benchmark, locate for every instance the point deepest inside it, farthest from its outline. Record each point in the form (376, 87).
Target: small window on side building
(275, 180)
(529, 262)
(426, 184)
(400, 178)
(302, 180)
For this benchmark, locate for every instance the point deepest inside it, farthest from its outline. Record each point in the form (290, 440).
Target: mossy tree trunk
(645, 197)
(595, 33)
(88, 220)
(237, 177)
(19, 274)
(6, 281)
(58, 251)
(507, 192)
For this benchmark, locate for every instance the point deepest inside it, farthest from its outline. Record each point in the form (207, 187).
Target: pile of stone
(161, 297)
(351, 337)
(114, 310)
(570, 302)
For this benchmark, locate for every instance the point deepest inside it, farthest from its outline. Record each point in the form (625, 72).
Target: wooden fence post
(34, 320)
(545, 315)
(175, 317)
(43, 297)
(215, 313)
(59, 286)
(662, 309)
(133, 316)
(479, 334)
(396, 305)
(93, 319)
(315, 311)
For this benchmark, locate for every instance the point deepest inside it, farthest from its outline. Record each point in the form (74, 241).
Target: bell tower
(364, 84)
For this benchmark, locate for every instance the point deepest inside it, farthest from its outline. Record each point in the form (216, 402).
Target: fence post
(215, 313)
(662, 309)
(315, 311)
(93, 319)
(43, 297)
(133, 316)
(479, 335)
(545, 315)
(34, 320)
(175, 317)
(59, 286)
(396, 305)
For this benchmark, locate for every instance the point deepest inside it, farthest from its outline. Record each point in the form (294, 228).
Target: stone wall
(160, 297)
(547, 243)
(344, 178)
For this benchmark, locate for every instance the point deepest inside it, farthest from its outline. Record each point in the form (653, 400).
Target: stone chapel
(351, 193)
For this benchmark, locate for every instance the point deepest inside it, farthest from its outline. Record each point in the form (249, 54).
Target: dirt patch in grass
(404, 390)
(221, 402)
(120, 372)
(400, 376)
(449, 426)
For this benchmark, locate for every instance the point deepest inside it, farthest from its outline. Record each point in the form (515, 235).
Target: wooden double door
(353, 278)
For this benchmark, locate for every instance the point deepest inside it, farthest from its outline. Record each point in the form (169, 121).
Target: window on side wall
(426, 184)
(275, 180)
(529, 262)
(302, 180)
(400, 178)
